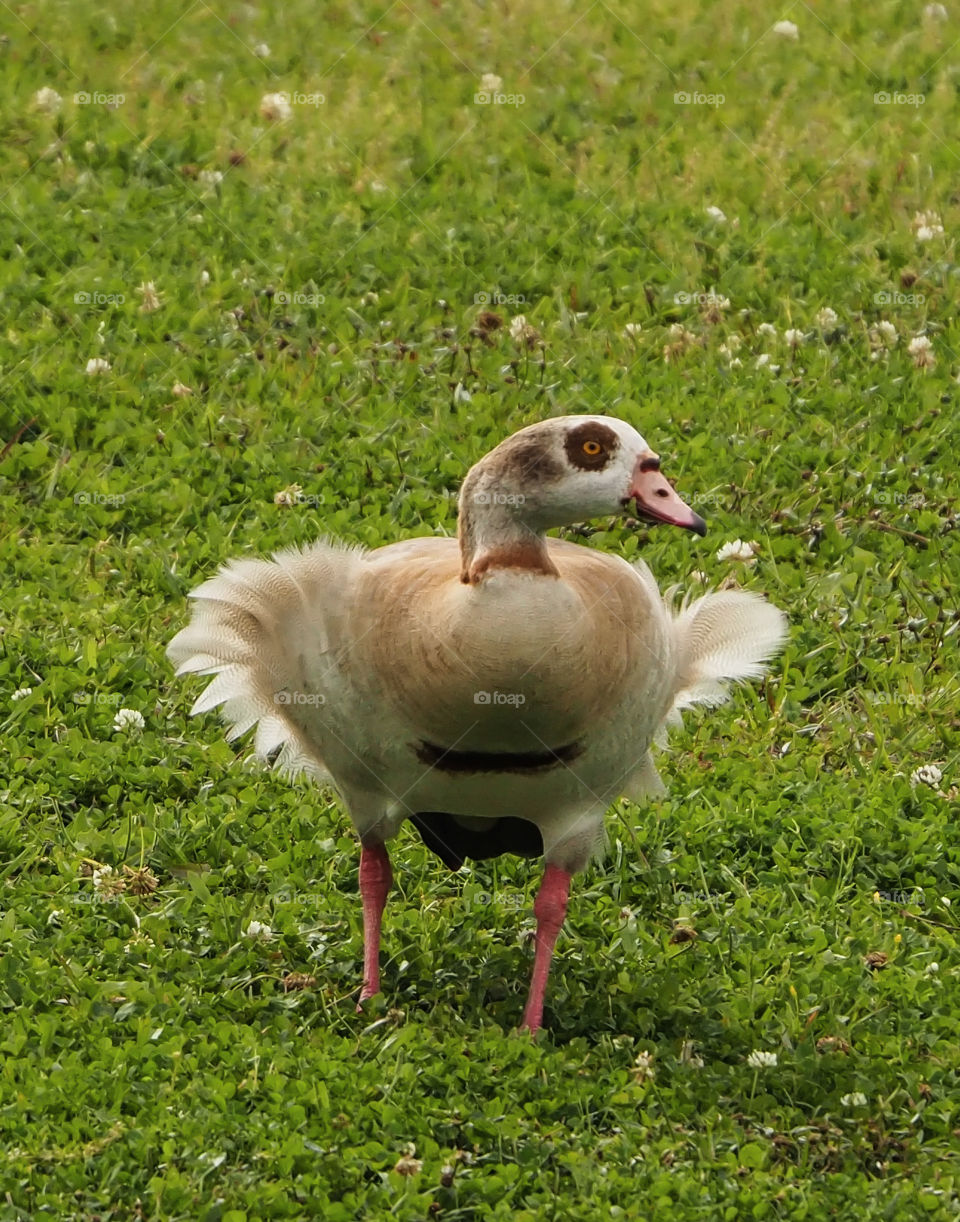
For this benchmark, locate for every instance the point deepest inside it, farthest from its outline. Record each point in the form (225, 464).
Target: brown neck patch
(529, 555)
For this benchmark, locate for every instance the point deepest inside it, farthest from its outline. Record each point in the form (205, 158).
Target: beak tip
(698, 525)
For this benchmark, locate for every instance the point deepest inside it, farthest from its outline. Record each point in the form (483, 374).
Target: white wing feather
(269, 630)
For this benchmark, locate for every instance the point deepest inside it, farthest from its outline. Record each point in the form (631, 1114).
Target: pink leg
(549, 908)
(375, 879)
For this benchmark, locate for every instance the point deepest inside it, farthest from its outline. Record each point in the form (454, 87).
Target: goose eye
(592, 448)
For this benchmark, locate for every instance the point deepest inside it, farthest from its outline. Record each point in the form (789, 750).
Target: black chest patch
(453, 843)
(445, 759)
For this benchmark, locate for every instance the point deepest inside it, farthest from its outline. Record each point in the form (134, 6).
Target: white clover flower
(932, 968)
(786, 29)
(887, 331)
(461, 394)
(921, 349)
(643, 1069)
(47, 100)
(927, 225)
(181, 391)
(287, 496)
(826, 318)
(927, 774)
(945, 900)
(204, 277)
(716, 214)
(490, 82)
(856, 1099)
(760, 1059)
(768, 329)
(151, 298)
(935, 12)
(632, 330)
(257, 931)
(276, 107)
(101, 876)
(56, 914)
(407, 1163)
(97, 365)
(107, 882)
(763, 360)
(689, 1056)
(21, 693)
(518, 324)
(681, 339)
(738, 550)
(128, 719)
(735, 363)
(522, 333)
(261, 51)
(793, 337)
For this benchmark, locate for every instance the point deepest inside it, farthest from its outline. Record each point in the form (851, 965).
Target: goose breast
(516, 662)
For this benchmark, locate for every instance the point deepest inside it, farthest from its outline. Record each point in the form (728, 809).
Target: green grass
(154, 1065)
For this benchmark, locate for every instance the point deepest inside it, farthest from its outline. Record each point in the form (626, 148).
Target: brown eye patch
(590, 446)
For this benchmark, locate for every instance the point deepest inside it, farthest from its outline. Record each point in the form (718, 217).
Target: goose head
(553, 474)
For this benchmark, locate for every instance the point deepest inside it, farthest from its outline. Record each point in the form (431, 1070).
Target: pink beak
(656, 500)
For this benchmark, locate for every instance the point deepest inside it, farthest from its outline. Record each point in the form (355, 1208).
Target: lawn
(255, 259)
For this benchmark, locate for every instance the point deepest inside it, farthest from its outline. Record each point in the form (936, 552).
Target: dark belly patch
(452, 842)
(448, 760)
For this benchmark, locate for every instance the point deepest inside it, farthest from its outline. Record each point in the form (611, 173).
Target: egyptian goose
(501, 690)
